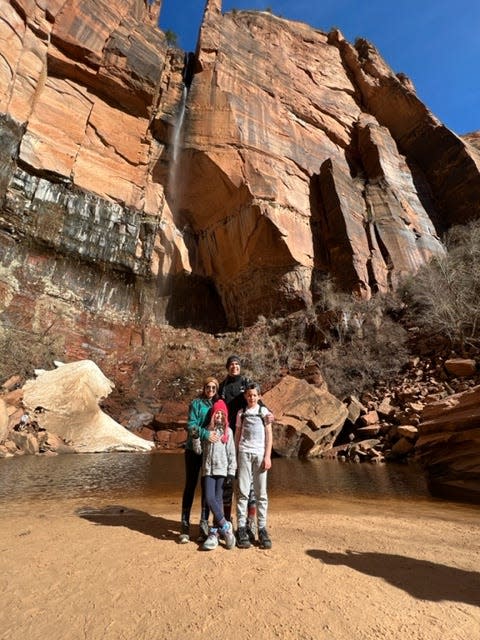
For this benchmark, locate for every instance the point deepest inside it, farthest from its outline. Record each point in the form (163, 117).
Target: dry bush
(22, 352)
(443, 298)
(257, 348)
(355, 342)
(362, 360)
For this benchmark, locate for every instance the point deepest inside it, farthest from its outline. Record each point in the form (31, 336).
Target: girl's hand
(213, 437)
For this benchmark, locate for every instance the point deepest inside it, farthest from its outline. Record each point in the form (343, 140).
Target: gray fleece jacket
(219, 458)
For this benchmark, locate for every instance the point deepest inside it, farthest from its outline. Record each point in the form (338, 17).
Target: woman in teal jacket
(197, 425)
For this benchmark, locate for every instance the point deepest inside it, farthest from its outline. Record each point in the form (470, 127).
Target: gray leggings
(250, 469)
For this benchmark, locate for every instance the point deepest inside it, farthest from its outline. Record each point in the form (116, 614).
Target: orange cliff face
(297, 155)
(306, 156)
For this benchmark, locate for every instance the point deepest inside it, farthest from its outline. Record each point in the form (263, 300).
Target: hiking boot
(212, 540)
(243, 541)
(184, 536)
(251, 529)
(203, 531)
(264, 538)
(227, 534)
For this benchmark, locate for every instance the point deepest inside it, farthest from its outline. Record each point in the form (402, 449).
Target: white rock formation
(65, 402)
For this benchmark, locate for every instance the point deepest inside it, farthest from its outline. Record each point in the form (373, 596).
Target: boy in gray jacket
(219, 461)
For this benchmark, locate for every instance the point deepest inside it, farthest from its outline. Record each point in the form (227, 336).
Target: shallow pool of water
(89, 475)
(65, 483)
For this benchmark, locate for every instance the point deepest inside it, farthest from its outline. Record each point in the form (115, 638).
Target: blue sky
(435, 42)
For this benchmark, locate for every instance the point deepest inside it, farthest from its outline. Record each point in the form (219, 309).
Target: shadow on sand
(119, 516)
(420, 578)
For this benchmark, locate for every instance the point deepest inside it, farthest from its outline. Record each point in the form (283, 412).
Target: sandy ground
(343, 570)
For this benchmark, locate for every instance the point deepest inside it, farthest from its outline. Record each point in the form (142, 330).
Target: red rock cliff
(298, 155)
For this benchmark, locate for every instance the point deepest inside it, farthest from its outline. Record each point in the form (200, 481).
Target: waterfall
(173, 183)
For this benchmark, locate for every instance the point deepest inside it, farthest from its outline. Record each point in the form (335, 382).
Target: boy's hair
(252, 385)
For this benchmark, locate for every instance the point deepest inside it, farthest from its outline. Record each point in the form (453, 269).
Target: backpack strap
(259, 413)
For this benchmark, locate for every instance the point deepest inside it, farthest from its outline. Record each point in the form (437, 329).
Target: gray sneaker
(227, 534)
(211, 542)
(184, 536)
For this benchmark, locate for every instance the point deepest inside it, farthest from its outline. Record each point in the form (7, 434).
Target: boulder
(461, 366)
(355, 409)
(448, 446)
(368, 431)
(402, 447)
(407, 431)
(385, 409)
(307, 419)
(370, 418)
(65, 402)
(25, 441)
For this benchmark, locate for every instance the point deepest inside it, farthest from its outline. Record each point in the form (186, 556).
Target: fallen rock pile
(20, 432)
(383, 425)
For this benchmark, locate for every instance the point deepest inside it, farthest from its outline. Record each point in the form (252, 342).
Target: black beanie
(231, 359)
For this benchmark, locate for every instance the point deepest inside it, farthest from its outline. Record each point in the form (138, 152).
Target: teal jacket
(198, 418)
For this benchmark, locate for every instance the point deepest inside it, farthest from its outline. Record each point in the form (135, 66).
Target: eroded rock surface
(449, 445)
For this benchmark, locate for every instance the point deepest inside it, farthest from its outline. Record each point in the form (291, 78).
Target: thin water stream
(173, 180)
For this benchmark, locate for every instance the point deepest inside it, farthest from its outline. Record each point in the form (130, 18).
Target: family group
(229, 446)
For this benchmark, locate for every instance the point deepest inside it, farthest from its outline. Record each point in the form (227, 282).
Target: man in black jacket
(232, 390)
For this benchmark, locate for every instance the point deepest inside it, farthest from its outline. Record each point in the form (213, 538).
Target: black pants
(193, 465)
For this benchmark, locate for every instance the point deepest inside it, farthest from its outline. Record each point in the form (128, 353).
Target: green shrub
(171, 38)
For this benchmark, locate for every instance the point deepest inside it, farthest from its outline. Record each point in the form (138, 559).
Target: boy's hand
(267, 463)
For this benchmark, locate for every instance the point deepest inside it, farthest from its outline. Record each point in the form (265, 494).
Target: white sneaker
(211, 542)
(227, 534)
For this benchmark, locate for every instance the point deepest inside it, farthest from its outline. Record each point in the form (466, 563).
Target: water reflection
(330, 478)
(122, 475)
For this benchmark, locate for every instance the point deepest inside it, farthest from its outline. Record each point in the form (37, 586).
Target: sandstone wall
(298, 155)
(87, 239)
(448, 446)
(305, 156)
